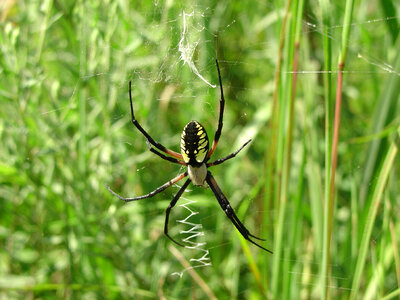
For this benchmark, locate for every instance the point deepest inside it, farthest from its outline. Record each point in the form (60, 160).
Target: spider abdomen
(194, 144)
(197, 174)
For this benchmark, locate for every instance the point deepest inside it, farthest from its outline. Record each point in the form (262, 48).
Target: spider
(195, 154)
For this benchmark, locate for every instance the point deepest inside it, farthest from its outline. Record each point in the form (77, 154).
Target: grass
(65, 132)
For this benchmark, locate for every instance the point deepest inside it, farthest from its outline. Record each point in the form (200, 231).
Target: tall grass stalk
(329, 205)
(325, 11)
(274, 164)
(298, 14)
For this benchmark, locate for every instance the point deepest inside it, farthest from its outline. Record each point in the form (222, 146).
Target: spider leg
(170, 206)
(221, 115)
(151, 194)
(171, 159)
(148, 137)
(226, 207)
(232, 155)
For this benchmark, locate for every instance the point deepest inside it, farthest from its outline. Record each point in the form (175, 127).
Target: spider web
(194, 231)
(186, 48)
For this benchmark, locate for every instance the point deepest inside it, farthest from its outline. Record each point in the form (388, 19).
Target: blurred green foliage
(65, 132)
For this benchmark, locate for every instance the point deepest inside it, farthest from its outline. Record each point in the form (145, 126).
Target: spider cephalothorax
(195, 153)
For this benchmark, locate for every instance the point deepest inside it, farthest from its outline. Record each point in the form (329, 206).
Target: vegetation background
(65, 132)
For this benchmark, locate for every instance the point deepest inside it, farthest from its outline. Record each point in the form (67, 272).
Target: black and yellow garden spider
(195, 153)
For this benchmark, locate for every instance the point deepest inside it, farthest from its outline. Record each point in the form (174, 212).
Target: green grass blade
(376, 198)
